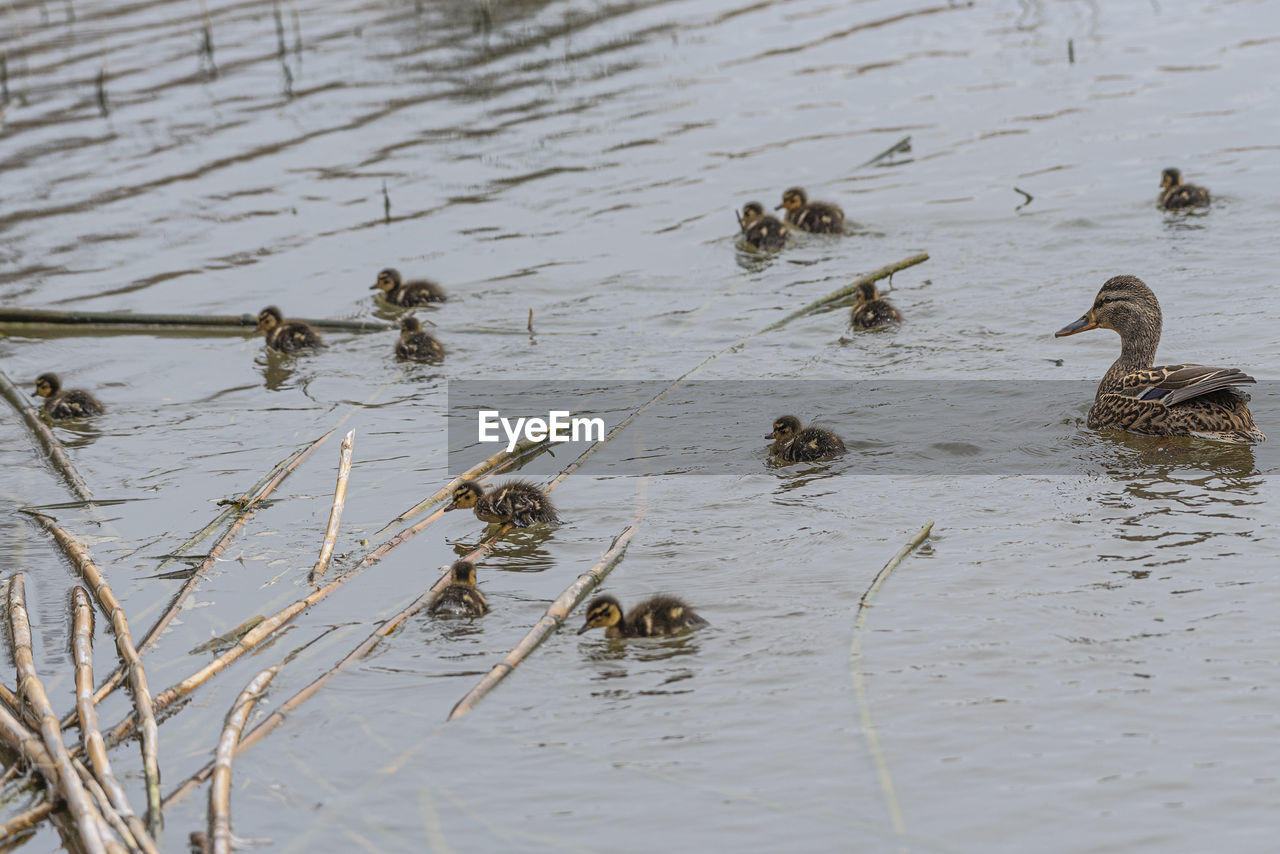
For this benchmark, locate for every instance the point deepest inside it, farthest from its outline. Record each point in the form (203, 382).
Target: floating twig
(335, 512)
(54, 448)
(855, 656)
(220, 791)
(902, 146)
(551, 621)
(102, 91)
(90, 736)
(24, 821)
(280, 48)
(288, 80)
(142, 700)
(1071, 52)
(130, 321)
(529, 326)
(29, 686)
(873, 276)
(386, 203)
(206, 45)
(1029, 198)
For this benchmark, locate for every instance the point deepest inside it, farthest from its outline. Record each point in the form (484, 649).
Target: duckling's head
(602, 612)
(785, 427)
(388, 279)
(751, 212)
(465, 495)
(867, 292)
(269, 318)
(410, 325)
(1124, 304)
(464, 572)
(47, 385)
(1170, 178)
(794, 199)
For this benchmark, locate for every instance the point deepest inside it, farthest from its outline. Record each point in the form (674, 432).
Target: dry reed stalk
(874, 276)
(26, 820)
(146, 322)
(29, 686)
(220, 791)
(860, 689)
(549, 623)
(247, 505)
(111, 820)
(142, 702)
(52, 446)
(335, 512)
(90, 736)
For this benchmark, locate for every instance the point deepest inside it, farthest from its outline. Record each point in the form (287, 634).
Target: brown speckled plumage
(416, 344)
(461, 598)
(793, 443)
(1167, 400)
(871, 310)
(814, 217)
(517, 501)
(761, 230)
(1175, 195)
(286, 336)
(398, 292)
(656, 617)
(62, 403)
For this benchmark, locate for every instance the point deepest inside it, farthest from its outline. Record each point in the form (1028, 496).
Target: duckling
(407, 293)
(71, 403)
(286, 337)
(815, 217)
(1166, 400)
(461, 598)
(1174, 194)
(796, 445)
(760, 229)
(517, 502)
(656, 617)
(416, 344)
(870, 310)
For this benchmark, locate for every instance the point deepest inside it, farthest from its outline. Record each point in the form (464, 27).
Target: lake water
(1081, 658)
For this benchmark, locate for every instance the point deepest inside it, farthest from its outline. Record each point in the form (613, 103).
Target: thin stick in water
(335, 512)
(24, 821)
(147, 322)
(860, 690)
(1029, 198)
(29, 686)
(550, 622)
(281, 50)
(102, 91)
(386, 203)
(220, 791)
(54, 448)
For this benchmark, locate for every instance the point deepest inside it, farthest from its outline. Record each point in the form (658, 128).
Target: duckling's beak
(1082, 325)
(451, 506)
(586, 627)
(374, 286)
(781, 206)
(772, 435)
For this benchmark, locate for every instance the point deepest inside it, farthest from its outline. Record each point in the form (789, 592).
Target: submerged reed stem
(220, 791)
(335, 512)
(54, 448)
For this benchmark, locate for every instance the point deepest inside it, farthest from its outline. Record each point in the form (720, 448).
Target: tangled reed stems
(335, 512)
(220, 791)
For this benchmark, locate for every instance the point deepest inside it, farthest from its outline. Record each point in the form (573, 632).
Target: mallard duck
(461, 598)
(816, 217)
(407, 293)
(416, 344)
(71, 403)
(870, 310)
(517, 501)
(656, 617)
(1170, 400)
(795, 444)
(287, 337)
(760, 229)
(1174, 194)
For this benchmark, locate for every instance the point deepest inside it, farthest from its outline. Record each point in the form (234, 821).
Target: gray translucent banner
(890, 427)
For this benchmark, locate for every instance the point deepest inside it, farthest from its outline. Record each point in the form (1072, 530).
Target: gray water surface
(1080, 659)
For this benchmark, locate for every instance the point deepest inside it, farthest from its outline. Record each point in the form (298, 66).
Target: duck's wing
(1169, 385)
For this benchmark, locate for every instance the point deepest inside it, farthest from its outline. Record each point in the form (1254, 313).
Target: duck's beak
(451, 506)
(374, 286)
(780, 207)
(1082, 325)
(585, 628)
(772, 435)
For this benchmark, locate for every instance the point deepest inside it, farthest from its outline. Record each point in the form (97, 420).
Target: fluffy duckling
(815, 217)
(760, 229)
(656, 617)
(796, 445)
(416, 344)
(870, 310)
(397, 292)
(1165, 400)
(286, 337)
(461, 598)
(68, 403)
(1174, 194)
(517, 501)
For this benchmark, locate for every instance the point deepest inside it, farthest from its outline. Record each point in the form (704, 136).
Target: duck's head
(269, 318)
(465, 496)
(602, 612)
(752, 212)
(785, 427)
(1170, 178)
(47, 385)
(1124, 304)
(388, 280)
(867, 292)
(409, 326)
(464, 572)
(793, 199)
